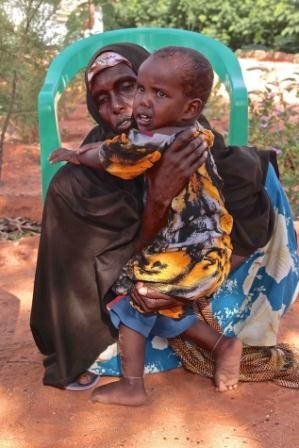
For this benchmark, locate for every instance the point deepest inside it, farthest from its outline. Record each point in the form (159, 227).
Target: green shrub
(275, 25)
(273, 124)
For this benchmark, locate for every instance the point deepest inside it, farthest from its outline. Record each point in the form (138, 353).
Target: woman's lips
(124, 124)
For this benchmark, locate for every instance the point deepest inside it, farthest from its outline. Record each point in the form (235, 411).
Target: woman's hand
(166, 179)
(169, 176)
(149, 300)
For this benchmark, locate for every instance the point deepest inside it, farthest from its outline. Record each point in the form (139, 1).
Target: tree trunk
(91, 17)
(7, 118)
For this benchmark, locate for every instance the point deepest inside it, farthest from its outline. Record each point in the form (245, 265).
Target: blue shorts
(153, 324)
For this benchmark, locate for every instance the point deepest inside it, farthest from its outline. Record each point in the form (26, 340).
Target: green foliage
(274, 124)
(238, 24)
(78, 20)
(24, 54)
(74, 23)
(135, 13)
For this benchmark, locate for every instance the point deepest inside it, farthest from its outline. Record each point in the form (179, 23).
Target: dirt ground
(184, 410)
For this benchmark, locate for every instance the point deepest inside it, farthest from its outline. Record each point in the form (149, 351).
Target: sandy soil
(184, 409)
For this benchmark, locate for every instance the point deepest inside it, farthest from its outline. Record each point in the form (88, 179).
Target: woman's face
(113, 91)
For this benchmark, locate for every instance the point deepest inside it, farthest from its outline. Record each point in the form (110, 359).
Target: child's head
(173, 85)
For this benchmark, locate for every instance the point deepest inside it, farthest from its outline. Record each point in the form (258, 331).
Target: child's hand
(148, 300)
(64, 155)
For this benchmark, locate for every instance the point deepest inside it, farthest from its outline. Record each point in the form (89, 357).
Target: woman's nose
(117, 103)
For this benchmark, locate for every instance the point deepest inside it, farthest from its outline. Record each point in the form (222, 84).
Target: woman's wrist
(158, 201)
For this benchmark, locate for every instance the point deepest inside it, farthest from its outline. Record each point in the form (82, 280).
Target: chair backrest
(76, 56)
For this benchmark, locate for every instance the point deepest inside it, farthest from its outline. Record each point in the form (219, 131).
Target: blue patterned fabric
(154, 324)
(255, 296)
(252, 300)
(159, 357)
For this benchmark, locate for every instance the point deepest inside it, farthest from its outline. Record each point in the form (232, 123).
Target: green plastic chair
(75, 57)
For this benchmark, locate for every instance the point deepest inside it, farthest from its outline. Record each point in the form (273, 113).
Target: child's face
(159, 99)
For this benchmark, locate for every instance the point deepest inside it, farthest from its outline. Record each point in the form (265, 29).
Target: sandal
(92, 380)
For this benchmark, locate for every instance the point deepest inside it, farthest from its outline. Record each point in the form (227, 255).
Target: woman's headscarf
(135, 54)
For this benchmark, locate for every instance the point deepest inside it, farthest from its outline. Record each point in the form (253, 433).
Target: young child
(189, 257)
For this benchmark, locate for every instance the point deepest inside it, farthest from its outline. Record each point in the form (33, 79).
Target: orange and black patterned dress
(190, 256)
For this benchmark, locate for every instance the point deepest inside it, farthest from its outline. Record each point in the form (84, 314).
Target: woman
(74, 275)
(90, 225)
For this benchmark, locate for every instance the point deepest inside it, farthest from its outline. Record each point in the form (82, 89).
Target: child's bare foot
(126, 391)
(227, 357)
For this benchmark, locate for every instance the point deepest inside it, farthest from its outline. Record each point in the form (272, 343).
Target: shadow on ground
(184, 410)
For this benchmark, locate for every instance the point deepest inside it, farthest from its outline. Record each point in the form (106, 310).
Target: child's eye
(140, 89)
(161, 94)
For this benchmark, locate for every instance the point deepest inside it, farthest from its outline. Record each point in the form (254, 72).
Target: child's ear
(193, 108)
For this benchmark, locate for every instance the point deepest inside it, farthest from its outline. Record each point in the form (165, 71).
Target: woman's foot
(85, 378)
(85, 381)
(227, 356)
(126, 391)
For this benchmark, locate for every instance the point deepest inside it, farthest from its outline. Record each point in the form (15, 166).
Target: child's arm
(118, 156)
(86, 155)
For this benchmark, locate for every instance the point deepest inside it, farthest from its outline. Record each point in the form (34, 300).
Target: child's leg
(227, 352)
(129, 390)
